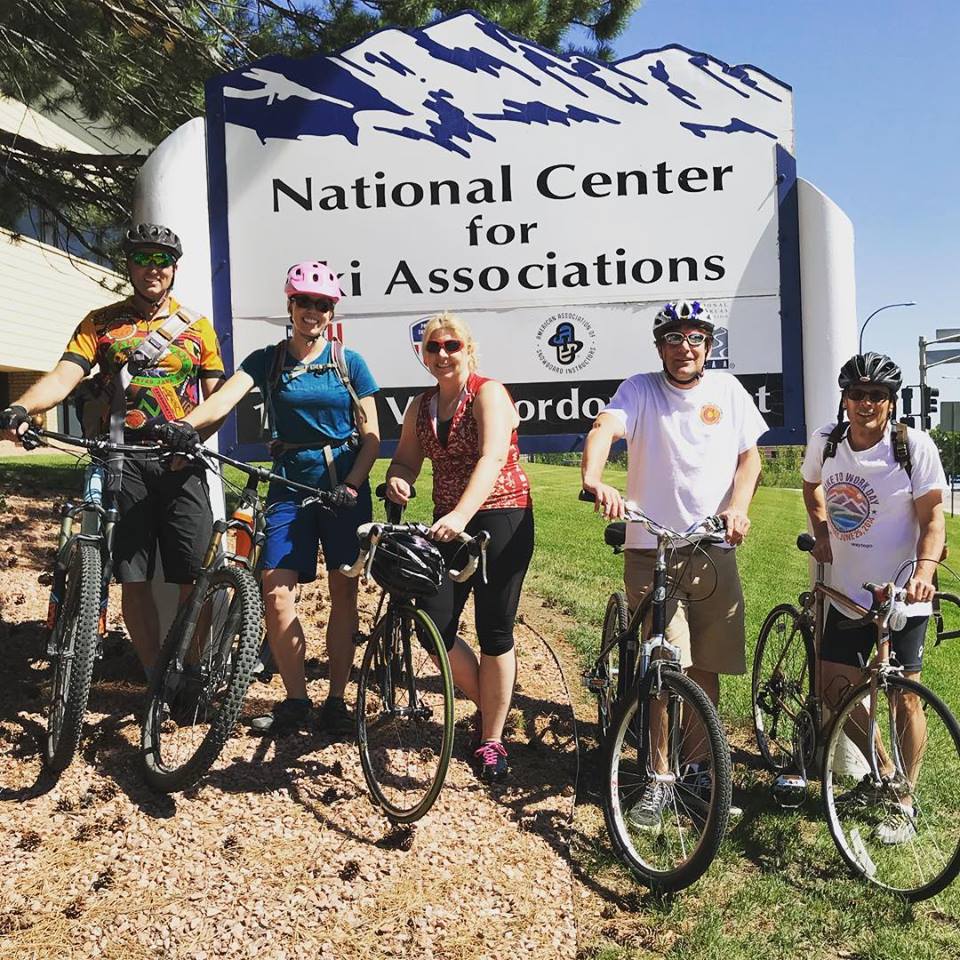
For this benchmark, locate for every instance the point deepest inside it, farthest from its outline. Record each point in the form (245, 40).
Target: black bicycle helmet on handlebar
(871, 367)
(408, 564)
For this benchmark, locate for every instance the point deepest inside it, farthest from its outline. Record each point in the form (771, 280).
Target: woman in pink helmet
(319, 400)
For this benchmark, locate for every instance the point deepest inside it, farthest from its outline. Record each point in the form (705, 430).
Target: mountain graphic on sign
(458, 84)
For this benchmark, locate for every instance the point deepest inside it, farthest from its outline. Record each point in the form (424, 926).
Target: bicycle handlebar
(34, 437)
(370, 535)
(709, 529)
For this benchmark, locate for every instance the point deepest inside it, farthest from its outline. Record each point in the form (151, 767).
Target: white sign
(554, 202)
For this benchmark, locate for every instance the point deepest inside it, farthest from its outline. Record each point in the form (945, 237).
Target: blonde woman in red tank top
(467, 427)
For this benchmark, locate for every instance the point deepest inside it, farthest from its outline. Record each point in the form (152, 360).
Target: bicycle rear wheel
(74, 649)
(666, 817)
(614, 668)
(201, 679)
(782, 687)
(919, 760)
(405, 714)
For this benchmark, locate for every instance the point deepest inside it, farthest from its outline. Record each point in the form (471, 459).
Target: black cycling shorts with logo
(165, 508)
(854, 648)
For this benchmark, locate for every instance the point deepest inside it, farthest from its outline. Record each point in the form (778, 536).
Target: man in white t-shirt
(875, 499)
(691, 453)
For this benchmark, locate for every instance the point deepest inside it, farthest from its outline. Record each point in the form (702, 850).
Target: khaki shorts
(708, 630)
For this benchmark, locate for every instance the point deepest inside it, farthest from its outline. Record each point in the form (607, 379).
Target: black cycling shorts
(855, 647)
(495, 602)
(165, 508)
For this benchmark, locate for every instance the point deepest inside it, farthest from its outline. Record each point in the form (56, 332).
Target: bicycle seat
(615, 534)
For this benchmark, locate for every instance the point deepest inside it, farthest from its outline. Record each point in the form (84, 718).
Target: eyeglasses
(156, 259)
(675, 339)
(857, 395)
(305, 303)
(451, 346)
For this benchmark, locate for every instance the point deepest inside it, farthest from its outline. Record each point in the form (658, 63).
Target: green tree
(140, 66)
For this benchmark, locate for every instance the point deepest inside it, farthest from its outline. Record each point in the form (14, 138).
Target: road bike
(890, 739)
(405, 697)
(77, 608)
(660, 733)
(211, 649)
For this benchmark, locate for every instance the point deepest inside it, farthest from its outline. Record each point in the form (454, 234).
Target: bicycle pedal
(595, 684)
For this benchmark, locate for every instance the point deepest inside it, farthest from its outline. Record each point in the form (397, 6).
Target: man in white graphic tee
(691, 453)
(874, 493)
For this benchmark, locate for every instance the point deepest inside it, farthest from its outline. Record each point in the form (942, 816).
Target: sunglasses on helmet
(675, 339)
(856, 394)
(158, 258)
(305, 303)
(451, 346)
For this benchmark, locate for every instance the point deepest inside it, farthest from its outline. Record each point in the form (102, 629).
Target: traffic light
(906, 395)
(928, 404)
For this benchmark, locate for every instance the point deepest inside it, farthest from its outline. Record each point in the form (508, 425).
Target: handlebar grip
(381, 491)
(805, 542)
(477, 545)
(587, 497)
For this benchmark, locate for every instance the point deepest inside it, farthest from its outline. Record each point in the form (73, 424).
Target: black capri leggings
(495, 602)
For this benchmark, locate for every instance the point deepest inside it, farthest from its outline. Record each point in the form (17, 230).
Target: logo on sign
(565, 343)
(416, 336)
(719, 358)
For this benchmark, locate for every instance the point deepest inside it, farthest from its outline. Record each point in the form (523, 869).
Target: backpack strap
(340, 362)
(901, 447)
(834, 439)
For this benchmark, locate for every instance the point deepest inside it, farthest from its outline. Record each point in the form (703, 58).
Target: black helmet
(408, 564)
(680, 313)
(871, 367)
(152, 235)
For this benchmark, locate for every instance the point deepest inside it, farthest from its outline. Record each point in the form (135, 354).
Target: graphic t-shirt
(683, 446)
(870, 509)
(309, 406)
(167, 391)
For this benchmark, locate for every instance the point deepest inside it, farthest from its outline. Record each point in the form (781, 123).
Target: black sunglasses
(305, 303)
(856, 394)
(451, 346)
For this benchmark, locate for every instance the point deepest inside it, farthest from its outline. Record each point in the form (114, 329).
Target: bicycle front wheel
(405, 714)
(667, 790)
(782, 687)
(74, 649)
(916, 742)
(201, 679)
(614, 668)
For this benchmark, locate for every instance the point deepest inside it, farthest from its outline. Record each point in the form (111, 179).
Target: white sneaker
(898, 826)
(647, 812)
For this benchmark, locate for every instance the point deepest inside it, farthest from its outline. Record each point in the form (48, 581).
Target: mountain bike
(405, 698)
(208, 657)
(871, 754)
(77, 608)
(661, 734)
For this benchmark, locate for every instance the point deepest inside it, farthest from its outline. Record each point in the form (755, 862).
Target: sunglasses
(694, 339)
(451, 346)
(856, 394)
(158, 259)
(305, 303)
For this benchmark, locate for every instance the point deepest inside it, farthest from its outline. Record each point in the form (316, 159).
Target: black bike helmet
(408, 564)
(152, 235)
(871, 367)
(682, 313)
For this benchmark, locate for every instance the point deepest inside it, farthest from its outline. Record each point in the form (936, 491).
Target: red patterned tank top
(453, 464)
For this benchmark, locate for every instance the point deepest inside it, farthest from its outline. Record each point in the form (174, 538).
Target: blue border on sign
(792, 432)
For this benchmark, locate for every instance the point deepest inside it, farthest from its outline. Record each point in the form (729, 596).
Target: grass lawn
(778, 888)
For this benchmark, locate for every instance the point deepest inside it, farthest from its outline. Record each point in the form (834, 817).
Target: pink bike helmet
(314, 279)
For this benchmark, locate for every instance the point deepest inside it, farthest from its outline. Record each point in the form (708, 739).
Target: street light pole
(908, 303)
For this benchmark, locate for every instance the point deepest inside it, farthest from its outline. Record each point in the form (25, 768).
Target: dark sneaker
(289, 716)
(336, 719)
(491, 758)
(647, 812)
(696, 780)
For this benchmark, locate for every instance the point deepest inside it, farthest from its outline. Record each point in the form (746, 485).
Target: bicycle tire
(204, 698)
(75, 650)
(856, 808)
(782, 688)
(615, 668)
(675, 851)
(405, 706)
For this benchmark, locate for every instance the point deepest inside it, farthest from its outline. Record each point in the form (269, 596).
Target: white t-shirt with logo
(870, 510)
(683, 446)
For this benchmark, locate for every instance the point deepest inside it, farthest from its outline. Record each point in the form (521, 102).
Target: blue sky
(877, 112)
